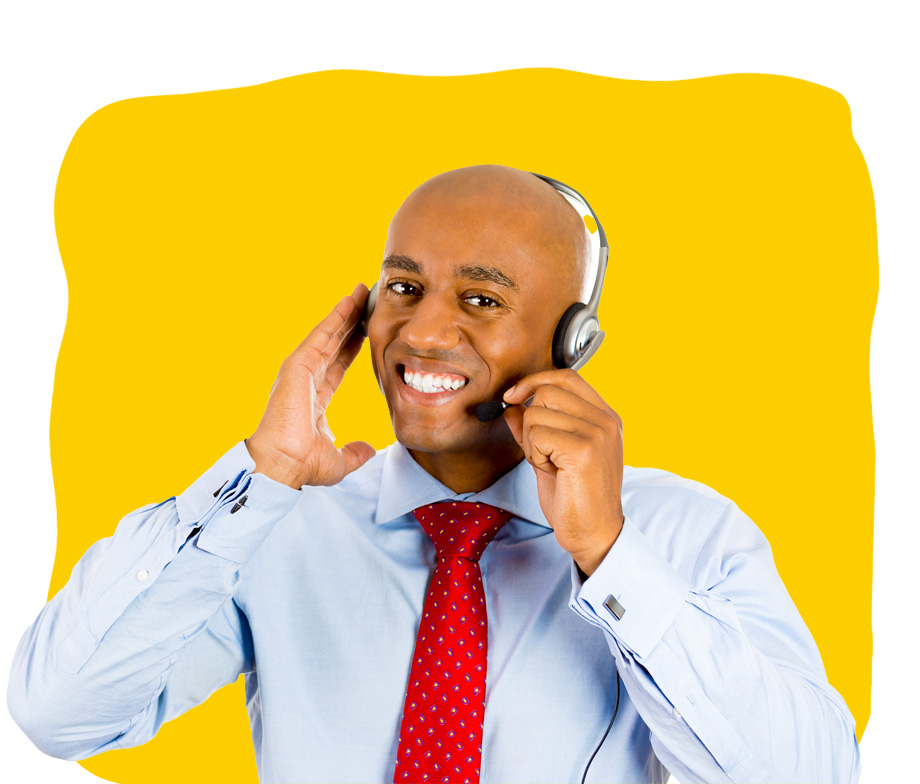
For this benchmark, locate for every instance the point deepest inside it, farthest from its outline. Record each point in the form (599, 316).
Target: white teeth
(430, 383)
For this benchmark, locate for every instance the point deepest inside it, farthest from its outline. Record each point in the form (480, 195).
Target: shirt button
(676, 713)
(142, 575)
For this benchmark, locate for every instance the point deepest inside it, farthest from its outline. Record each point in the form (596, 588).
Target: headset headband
(594, 302)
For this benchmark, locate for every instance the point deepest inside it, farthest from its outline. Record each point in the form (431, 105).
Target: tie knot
(461, 528)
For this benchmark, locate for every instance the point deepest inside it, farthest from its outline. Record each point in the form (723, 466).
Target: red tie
(440, 739)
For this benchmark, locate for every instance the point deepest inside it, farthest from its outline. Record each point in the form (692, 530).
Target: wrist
(587, 560)
(276, 465)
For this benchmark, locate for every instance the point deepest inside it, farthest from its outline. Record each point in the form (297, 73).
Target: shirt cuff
(234, 507)
(215, 485)
(634, 595)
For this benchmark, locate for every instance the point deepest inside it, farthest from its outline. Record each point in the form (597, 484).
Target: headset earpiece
(560, 357)
(577, 337)
(369, 304)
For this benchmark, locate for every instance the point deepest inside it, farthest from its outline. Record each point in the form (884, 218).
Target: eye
(402, 288)
(482, 301)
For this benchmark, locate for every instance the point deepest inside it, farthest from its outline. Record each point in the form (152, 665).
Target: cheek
(540, 332)
(376, 346)
(382, 331)
(379, 334)
(521, 351)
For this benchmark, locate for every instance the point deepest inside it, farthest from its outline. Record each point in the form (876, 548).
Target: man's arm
(716, 657)
(146, 627)
(709, 645)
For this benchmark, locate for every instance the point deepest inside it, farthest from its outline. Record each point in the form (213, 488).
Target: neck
(470, 472)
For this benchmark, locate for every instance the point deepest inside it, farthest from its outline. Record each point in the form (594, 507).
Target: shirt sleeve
(147, 627)
(718, 662)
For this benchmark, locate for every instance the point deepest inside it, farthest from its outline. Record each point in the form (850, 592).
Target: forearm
(75, 696)
(720, 710)
(731, 686)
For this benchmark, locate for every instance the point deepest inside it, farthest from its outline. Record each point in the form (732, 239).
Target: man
(318, 571)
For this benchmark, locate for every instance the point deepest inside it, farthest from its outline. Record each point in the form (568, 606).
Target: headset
(578, 335)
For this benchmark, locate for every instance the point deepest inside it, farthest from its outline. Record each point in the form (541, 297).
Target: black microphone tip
(486, 412)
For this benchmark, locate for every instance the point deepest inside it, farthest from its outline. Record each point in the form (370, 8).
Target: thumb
(356, 454)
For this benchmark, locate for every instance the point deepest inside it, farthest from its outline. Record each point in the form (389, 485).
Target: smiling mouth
(431, 383)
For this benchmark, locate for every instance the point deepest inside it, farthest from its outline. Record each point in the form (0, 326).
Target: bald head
(508, 194)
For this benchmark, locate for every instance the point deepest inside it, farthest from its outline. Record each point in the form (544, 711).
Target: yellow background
(204, 235)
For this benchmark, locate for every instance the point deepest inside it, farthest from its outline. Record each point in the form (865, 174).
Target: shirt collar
(405, 486)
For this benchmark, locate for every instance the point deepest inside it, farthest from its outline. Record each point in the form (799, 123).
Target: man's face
(470, 292)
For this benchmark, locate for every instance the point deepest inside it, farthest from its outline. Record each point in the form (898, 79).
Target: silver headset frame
(583, 335)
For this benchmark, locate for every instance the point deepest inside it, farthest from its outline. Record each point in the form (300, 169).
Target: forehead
(464, 234)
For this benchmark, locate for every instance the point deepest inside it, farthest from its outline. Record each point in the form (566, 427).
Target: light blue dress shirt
(316, 596)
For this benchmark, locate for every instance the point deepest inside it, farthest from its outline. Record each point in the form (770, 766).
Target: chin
(430, 439)
(476, 439)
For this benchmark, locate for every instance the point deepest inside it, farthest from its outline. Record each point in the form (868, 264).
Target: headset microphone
(486, 412)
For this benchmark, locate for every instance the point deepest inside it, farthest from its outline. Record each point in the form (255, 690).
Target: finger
(325, 339)
(336, 371)
(552, 450)
(351, 332)
(574, 440)
(548, 418)
(514, 418)
(560, 420)
(564, 379)
(340, 336)
(559, 399)
(301, 373)
(356, 454)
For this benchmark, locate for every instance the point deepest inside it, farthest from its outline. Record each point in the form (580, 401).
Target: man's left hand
(574, 441)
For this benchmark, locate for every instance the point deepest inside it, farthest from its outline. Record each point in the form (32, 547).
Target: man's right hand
(293, 443)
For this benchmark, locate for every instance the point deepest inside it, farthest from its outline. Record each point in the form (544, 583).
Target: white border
(63, 60)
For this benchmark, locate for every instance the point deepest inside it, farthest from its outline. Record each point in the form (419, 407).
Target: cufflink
(616, 609)
(239, 505)
(217, 491)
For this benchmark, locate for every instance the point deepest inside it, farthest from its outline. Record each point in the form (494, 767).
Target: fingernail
(509, 393)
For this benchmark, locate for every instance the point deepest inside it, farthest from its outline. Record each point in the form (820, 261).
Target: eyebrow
(468, 271)
(491, 274)
(404, 263)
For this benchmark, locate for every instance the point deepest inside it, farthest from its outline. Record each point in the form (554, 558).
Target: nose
(433, 324)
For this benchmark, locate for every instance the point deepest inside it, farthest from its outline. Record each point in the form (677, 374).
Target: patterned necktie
(440, 739)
